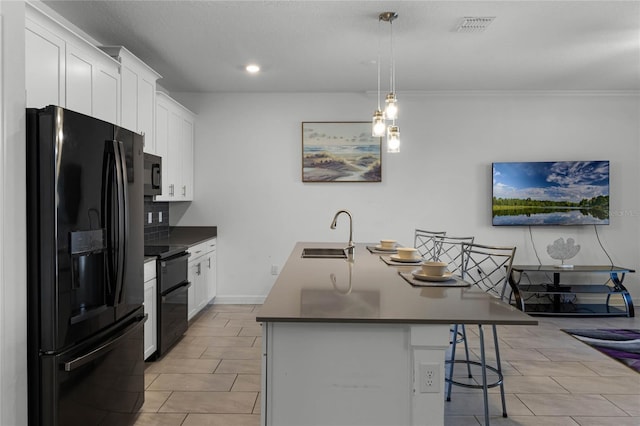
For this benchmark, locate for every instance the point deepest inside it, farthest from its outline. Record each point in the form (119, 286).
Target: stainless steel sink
(324, 253)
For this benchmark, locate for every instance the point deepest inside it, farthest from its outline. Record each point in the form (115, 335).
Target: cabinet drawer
(202, 248)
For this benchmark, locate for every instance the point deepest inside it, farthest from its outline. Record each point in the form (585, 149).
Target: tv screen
(551, 193)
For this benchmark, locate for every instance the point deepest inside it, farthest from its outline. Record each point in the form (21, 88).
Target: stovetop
(164, 251)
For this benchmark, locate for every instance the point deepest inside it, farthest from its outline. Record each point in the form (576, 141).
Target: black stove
(164, 251)
(172, 293)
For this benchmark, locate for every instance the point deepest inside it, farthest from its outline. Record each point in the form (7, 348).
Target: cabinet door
(187, 158)
(150, 326)
(201, 288)
(174, 160)
(174, 143)
(146, 108)
(212, 283)
(162, 146)
(128, 99)
(105, 93)
(194, 273)
(44, 67)
(78, 78)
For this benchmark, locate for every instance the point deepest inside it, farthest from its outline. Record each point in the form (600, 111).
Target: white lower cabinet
(150, 308)
(202, 276)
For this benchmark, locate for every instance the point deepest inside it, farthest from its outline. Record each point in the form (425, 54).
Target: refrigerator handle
(123, 217)
(107, 193)
(103, 349)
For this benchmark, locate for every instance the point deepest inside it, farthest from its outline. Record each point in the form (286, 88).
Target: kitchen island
(345, 341)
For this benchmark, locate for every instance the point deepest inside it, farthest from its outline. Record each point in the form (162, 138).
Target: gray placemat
(455, 281)
(387, 259)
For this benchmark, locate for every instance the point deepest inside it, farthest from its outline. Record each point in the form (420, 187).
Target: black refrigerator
(85, 270)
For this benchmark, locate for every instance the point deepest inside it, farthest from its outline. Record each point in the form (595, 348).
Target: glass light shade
(393, 139)
(378, 127)
(391, 107)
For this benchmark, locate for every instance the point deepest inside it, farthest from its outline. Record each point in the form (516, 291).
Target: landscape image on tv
(551, 193)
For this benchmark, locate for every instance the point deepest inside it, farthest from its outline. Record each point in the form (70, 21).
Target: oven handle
(109, 346)
(186, 285)
(173, 259)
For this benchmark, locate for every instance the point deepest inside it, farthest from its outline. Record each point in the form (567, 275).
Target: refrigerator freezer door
(98, 384)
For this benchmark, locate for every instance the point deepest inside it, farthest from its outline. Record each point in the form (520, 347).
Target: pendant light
(379, 127)
(393, 139)
(380, 118)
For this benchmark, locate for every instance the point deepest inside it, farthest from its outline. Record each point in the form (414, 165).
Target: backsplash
(159, 226)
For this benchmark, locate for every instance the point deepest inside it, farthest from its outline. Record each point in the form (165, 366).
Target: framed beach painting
(340, 152)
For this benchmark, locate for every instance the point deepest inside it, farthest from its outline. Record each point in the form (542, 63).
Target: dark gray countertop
(368, 290)
(187, 235)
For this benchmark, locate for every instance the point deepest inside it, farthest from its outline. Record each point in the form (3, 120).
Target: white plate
(419, 275)
(379, 247)
(397, 258)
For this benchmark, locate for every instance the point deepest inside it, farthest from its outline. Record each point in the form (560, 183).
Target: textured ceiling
(331, 46)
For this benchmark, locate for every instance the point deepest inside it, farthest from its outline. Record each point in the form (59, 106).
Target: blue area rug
(620, 344)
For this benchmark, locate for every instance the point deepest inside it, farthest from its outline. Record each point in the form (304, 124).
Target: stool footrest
(472, 386)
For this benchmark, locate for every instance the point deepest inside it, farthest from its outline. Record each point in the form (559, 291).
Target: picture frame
(340, 151)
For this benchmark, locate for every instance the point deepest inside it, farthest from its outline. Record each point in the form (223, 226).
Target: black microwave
(152, 175)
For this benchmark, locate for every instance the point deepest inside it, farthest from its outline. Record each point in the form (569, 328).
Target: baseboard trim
(238, 300)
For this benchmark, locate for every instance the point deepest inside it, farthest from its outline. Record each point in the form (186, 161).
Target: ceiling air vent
(474, 24)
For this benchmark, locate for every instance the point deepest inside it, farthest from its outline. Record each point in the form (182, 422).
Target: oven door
(172, 316)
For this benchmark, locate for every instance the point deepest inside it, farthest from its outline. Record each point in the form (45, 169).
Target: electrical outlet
(429, 377)
(150, 217)
(160, 217)
(274, 269)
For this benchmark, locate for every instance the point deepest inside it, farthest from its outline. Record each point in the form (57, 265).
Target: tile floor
(212, 377)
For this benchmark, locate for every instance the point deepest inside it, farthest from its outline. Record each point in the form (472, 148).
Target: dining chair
(425, 243)
(487, 268)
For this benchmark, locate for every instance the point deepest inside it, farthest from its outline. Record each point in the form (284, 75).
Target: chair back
(449, 249)
(425, 243)
(487, 267)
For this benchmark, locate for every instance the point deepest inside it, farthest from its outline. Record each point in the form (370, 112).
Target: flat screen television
(550, 193)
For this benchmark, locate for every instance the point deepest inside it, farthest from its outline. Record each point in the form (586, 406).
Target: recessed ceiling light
(252, 68)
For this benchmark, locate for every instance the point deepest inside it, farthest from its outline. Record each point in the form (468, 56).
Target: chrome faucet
(351, 245)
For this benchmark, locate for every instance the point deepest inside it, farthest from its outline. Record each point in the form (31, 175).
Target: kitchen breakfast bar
(346, 341)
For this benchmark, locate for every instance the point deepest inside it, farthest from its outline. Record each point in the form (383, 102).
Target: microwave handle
(155, 176)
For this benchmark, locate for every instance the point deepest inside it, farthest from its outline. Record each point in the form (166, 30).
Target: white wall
(13, 289)
(248, 167)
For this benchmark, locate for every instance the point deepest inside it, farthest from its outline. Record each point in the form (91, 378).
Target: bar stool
(449, 249)
(437, 247)
(488, 268)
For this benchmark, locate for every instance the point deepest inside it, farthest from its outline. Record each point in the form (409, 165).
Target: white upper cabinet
(188, 125)
(137, 94)
(175, 131)
(64, 69)
(44, 66)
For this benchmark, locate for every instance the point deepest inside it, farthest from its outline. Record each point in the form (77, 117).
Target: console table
(556, 307)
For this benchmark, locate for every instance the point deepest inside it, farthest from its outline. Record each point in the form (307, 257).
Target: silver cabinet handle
(199, 269)
(184, 190)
